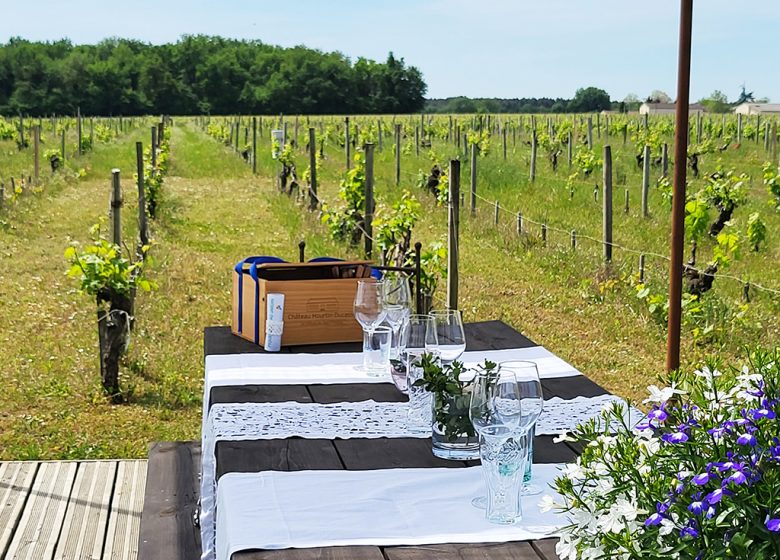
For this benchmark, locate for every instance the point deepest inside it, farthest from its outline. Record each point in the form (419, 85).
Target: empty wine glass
(530, 386)
(398, 299)
(369, 309)
(414, 332)
(496, 414)
(450, 334)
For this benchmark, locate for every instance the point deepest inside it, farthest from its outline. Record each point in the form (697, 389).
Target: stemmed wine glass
(496, 414)
(398, 299)
(530, 386)
(449, 331)
(369, 309)
(416, 337)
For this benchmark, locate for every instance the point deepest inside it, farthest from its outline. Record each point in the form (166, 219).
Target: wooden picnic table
(294, 454)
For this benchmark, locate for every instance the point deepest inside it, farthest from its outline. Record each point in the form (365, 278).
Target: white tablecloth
(305, 509)
(326, 369)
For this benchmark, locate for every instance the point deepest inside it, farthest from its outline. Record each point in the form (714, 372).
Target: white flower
(625, 509)
(574, 472)
(666, 527)
(662, 395)
(584, 519)
(708, 374)
(547, 503)
(563, 436)
(611, 522)
(567, 549)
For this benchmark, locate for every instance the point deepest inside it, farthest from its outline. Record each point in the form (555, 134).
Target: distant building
(758, 109)
(648, 108)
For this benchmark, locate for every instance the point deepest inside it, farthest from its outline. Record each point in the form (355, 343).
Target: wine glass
(496, 413)
(450, 334)
(530, 386)
(398, 298)
(415, 331)
(369, 309)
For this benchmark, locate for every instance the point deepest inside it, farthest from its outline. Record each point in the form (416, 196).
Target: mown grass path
(214, 213)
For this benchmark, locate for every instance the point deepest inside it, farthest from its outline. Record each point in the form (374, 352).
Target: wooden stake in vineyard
(678, 201)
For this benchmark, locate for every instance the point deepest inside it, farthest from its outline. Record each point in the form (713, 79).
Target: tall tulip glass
(496, 414)
(369, 309)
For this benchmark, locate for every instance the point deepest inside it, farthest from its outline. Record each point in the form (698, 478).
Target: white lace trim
(368, 419)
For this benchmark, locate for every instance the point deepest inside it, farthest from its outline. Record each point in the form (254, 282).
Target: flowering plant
(698, 477)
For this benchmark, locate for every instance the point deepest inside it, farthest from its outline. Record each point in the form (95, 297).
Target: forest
(199, 75)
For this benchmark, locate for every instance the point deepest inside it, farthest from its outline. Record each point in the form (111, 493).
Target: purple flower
(654, 519)
(701, 479)
(737, 477)
(762, 413)
(689, 532)
(714, 497)
(675, 437)
(697, 507)
(773, 524)
(747, 439)
(724, 466)
(658, 414)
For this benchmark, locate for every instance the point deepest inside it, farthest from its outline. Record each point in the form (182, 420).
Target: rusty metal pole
(678, 203)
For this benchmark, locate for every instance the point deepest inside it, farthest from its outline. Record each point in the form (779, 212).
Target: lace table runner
(346, 420)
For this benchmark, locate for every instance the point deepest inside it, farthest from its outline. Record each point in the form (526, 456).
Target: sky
(477, 48)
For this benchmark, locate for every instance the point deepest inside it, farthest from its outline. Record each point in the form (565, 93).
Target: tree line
(199, 75)
(584, 100)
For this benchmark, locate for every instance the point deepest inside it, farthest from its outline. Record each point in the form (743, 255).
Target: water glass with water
(376, 351)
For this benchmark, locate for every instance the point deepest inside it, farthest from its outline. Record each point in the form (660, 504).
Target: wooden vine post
(473, 179)
(312, 169)
(452, 235)
(368, 217)
(646, 181)
(78, 130)
(114, 322)
(254, 145)
(143, 224)
(346, 142)
(607, 199)
(37, 153)
(397, 154)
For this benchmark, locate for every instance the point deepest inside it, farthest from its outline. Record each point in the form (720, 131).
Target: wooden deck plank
(39, 528)
(172, 490)
(84, 528)
(331, 553)
(494, 551)
(546, 548)
(16, 480)
(125, 515)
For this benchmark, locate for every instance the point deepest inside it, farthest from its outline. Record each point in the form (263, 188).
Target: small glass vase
(452, 434)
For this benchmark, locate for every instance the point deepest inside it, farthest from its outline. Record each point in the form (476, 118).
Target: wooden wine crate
(317, 310)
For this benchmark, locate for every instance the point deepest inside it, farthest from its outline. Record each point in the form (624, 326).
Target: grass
(215, 212)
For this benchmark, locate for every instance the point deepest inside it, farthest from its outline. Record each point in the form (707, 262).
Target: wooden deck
(71, 510)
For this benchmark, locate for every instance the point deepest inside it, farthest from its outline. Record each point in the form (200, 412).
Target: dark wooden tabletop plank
(167, 530)
(389, 453)
(222, 394)
(494, 335)
(491, 551)
(331, 553)
(356, 392)
(293, 454)
(485, 335)
(570, 387)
